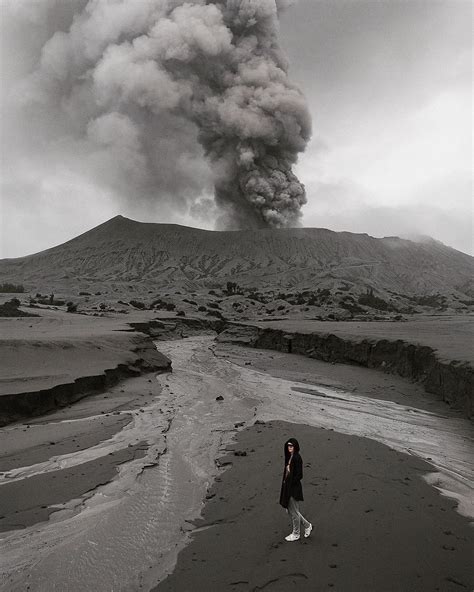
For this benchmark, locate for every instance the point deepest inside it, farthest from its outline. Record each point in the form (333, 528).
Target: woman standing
(291, 491)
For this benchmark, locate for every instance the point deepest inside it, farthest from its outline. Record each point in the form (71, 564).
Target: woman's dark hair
(296, 448)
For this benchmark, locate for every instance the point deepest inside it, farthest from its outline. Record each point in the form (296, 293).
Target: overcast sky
(389, 88)
(389, 84)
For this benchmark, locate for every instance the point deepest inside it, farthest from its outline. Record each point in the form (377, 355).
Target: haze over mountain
(157, 256)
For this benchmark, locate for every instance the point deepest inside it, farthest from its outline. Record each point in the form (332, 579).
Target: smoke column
(139, 94)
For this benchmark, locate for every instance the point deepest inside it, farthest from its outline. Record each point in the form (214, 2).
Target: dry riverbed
(123, 474)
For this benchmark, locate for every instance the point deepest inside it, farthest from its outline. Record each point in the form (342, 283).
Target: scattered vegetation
(433, 301)
(215, 313)
(71, 307)
(231, 288)
(11, 309)
(46, 300)
(7, 288)
(162, 304)
(372, 301)
(256, 296)
(348, 303)
(138, 304)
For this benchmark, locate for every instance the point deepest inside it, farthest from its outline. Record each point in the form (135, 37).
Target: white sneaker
(292, 537)
(307, 531)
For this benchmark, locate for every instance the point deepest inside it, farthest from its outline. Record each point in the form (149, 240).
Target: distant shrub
(7, 288)
(213, 292)
(71, 307)
(375, 302)
(202, 309)
(11, 309)
(98, 293)
(85, 294)
(180, 313)
(213, 305)
(215, 313)
(138, 304)
(300, 299)
(48, 300)
(432, 300)
(351, 307)
(162, 304)
(231, 288)
(322, 296)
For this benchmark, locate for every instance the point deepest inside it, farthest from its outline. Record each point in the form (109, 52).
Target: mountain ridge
(174, 256)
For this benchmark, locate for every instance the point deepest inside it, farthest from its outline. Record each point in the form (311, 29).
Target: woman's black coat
(291, 485)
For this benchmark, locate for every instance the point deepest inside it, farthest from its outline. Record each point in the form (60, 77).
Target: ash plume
(164, 101)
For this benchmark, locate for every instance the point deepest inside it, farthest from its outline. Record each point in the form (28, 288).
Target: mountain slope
(172, 256)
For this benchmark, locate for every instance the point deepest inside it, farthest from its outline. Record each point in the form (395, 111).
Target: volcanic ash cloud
(143, 83)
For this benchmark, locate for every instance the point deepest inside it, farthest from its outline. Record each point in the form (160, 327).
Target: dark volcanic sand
(378, 526)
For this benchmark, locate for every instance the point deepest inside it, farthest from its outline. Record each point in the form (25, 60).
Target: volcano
(123, 252)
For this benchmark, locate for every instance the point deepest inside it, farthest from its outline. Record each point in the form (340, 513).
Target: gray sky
(389, 89)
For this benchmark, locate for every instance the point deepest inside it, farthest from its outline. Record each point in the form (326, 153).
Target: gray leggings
(296, 516)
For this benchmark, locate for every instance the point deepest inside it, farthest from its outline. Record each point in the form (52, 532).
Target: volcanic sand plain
(94, 344)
